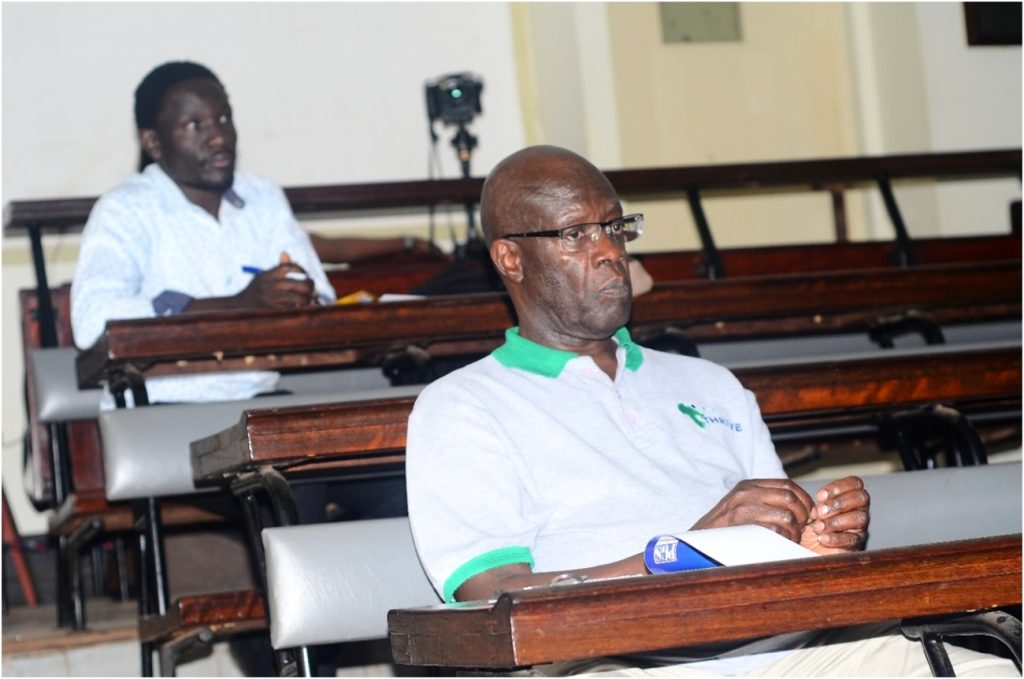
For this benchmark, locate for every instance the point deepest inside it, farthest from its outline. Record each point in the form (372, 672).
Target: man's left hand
(839, 519)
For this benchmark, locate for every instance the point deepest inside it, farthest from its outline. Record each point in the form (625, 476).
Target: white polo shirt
(533, 455)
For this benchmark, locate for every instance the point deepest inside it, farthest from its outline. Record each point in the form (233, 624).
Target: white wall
(921, 88)
(323, 93)
(976, 94)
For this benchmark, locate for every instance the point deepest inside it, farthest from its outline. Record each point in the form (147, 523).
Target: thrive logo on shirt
(703, 415)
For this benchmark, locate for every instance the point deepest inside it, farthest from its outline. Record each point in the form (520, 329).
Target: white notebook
(738, 545)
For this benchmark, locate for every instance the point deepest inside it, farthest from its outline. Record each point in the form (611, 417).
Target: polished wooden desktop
(319, 337)
(344, 437)
(634, 615)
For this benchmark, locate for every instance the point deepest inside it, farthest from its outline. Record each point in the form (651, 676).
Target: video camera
(454, 98)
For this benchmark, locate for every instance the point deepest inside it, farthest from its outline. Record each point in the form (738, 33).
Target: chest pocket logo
(711, 415)
(694, 414)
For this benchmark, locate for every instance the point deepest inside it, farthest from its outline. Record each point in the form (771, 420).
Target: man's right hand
(286, 286)
(777, 504)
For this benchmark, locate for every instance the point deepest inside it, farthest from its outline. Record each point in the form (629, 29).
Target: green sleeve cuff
(505, 556)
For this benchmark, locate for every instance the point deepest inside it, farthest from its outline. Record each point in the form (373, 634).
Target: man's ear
(508, 260)
(150, 142)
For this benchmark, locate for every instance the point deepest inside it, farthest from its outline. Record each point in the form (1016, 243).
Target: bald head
(523, 190)
(571, 299)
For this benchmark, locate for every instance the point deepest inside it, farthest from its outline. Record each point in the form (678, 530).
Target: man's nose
(217, 136)
(608, 249)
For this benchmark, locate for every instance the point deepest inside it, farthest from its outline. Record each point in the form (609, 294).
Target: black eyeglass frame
(605, 226)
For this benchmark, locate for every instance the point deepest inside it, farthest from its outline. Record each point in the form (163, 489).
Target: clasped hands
(834, 521)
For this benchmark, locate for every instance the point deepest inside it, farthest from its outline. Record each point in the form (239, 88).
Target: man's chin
(607, 323)
(219, 182)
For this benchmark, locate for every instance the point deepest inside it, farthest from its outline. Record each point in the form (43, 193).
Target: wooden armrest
(83, 506)
(206, 610)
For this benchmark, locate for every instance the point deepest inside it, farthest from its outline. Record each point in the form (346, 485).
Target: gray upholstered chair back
(336, 582)
(146, 450)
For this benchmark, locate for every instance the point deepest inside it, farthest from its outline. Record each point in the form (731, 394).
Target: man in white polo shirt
(560, 455)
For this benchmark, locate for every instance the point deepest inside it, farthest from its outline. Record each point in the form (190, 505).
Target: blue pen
(291, 275)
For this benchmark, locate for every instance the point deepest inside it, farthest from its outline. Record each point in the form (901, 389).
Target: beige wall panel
(782, 92)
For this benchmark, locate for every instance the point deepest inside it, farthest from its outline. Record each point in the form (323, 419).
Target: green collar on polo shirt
(519, 352)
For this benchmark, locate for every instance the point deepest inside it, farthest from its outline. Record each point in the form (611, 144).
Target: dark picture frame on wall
(992, 23)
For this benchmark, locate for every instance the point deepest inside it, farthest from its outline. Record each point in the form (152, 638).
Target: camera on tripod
(454, 99)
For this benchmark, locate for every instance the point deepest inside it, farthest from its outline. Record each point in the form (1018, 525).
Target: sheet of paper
(398, 297)
(738, 545)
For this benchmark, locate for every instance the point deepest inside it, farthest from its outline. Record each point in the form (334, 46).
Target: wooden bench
(331, 583)
(394, 275)
(171, 642)
(704, 311)
(834, 175)
(673, 183)
(708, 311)
(66, 439)
(387, 275)
(82, 508)
(344, 436)
(68, 215)
(146, 460)
(839, 256)
(358, 437)
(832, 302)
(336, 336)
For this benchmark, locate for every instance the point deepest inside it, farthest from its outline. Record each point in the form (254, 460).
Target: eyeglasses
(581, 237)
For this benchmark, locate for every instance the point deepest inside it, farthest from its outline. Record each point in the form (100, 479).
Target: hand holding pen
(286, 286)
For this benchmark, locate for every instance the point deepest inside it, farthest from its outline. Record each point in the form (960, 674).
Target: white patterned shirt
(147, 250)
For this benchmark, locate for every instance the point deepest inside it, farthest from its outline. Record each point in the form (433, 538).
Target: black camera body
(454, 99)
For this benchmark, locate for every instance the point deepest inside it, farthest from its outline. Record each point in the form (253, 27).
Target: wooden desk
(130, 350)
(634, 615)
(391, 275)
(357, 434)
(834, 175)
(785, 259)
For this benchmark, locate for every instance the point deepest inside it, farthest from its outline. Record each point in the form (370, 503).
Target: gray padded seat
(833, 347)
(335, 582)
(58, 398)
(146, 450)
(756, 354)
(333, 381)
